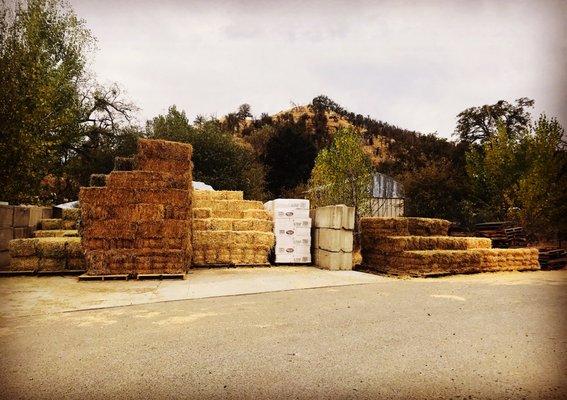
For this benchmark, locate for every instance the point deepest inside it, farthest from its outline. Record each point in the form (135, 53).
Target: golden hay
(201, 224)
(231, 238)
(23, 247)
(163, 149)
(243, 224)
(220, 224)
(229, 205)
(56, 233)
(140, 180)
(263, 225)
(52, 264)
(236, 254)
(54, 247)
(232, 214)
(71, 214)
(156, 165)
(73, 248)
(78, 263)
(199, 195)
(396, 244)
(257, 214)
(403, 226)
(109, 229)
(163, 229)
(69, 225)
(24, 264)
(201, 213)
(50, 224)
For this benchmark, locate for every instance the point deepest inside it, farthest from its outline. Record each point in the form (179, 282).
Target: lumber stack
(228, 230)
(138, 219)
(421, 247)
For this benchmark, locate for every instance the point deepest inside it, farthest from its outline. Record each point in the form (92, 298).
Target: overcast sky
(415, 64)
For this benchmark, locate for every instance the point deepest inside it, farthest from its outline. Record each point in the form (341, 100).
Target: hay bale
(73, 248)
(57, 233)
(105, 197)
(232, 214)
(257, 214)
(199, 195)
(160, 165)
(124, 164)
(178, 212)
(71, 214)
(97, 180)
(52, 247)
(109, 229)
(162, 229)
(52, 264)
(243, 224)
(403, 226)
(69, 225)
(201, 224)
(78, 263)
(164, 150)
(397, 244)
(263, 225)
(202, 213)
(140, 180)
(220, 224)
(50, 224)
(23, 247)
(24, 264)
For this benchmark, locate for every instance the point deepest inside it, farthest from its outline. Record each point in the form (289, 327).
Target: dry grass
(217, 195)
(51, 224)
(403, 226)
(396, 244)
(56, 233)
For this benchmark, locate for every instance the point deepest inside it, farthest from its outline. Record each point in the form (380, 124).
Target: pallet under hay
(159, 276)
(6, 274)
(116, 277)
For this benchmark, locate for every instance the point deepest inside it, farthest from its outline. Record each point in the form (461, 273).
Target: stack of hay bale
(138, 220)
(47, 254)
(333, 237)
(228, 230)
(66, 226)
(420, 246)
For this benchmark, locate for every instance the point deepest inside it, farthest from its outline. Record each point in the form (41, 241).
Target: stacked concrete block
(333, 237)
(228, 230)
(140, 221)
(17, 222)
(421, 247)
(292, 230)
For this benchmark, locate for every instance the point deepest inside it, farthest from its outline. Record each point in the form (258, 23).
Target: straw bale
(97, 180)
(57, 233)
(233, 214)
(178, 212)
(124, 164)
(139, 180)
(243, 225)
(220, 224)
(161, 243)
(71, 214)
(404, 226)
(165, 150)
(172, 197)
(243, 205)
(23, 247)
(201, 224)
(396, 244)
(107, 244)
(73, 247)
(69, 225)
(202, 213)
(51, 223)
(163, 229)
(157, 165)
(110, 229)
(218, 195)
(104, 196)
(97, 212)
(257, 214)
(76, 263)
(263, 225)
(24, 264)
(52, 264)
(52, 247)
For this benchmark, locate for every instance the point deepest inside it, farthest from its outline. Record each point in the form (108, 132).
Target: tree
(478, 124)
(51, 111)
(343, 174)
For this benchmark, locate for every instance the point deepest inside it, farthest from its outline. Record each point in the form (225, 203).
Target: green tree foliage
(342, 174)
(521, 176)
(219, 159)
(51, 111)
(477, 124)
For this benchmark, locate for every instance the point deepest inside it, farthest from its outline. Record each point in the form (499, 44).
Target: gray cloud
(413, 64)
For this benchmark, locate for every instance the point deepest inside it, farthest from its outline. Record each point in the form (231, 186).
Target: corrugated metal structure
(388, 197)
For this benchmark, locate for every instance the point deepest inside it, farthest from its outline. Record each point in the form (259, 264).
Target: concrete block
(335, 240)
(4, 259)
(334, 217)
(6, 216)
(6, 234)
(333, 261)
(21, 216)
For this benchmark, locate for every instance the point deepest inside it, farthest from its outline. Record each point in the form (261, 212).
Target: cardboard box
(294, 204)
(6, 234)
(6, 216)
(293, 240)
(293, 250)
(290, 213)
(293, 259)
(288, 208)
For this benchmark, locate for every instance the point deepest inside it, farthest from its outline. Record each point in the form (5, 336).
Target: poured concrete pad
(23, 296)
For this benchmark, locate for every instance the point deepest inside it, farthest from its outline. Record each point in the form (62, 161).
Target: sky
(414, 64)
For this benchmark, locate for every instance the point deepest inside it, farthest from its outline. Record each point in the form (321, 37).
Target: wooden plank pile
(552, 258)
(503, 234)
(421, 247)
(139, 222)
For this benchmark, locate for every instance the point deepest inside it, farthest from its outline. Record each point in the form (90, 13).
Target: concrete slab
(26, 296)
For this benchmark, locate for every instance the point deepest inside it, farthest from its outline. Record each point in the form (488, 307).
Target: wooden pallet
(16, 273)
(66, 272)
(253, 265)
(118, 277)
(219, 265)
(160, 276)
